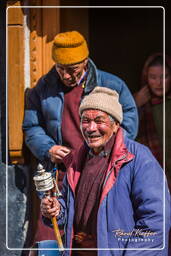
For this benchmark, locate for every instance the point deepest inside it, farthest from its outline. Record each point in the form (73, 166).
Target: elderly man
(113, 196)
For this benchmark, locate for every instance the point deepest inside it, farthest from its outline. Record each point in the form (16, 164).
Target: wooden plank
(15, 15)
(15, 88)
(52, 15)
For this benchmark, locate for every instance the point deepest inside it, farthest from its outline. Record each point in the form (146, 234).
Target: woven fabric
(69, 48)
(104, 99)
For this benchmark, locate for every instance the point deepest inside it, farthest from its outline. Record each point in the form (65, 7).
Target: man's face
(155, 80)
(71, 74)
(97, 128)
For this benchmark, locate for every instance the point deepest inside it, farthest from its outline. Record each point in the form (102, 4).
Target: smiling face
(155, 80)
(97, 128)
(71, 74)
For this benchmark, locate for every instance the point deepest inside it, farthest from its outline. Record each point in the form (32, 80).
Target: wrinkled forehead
(93, 113)
(71, 66)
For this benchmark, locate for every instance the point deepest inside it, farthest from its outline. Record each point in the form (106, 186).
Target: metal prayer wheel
(43, 180)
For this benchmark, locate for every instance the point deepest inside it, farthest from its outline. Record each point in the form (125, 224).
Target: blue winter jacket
(44, 107)
(133, 201)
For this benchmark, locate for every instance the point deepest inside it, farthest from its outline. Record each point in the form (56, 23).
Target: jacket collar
(120, 152)
(92, 77)
(120, 155)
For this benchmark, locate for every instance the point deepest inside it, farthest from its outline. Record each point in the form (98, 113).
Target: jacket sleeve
(151, 204)
(130, 114)
(33, 126)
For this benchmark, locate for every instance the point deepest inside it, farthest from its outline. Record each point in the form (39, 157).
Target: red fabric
(43, 232)
(89, 188)
(71, 134)
(119, 156)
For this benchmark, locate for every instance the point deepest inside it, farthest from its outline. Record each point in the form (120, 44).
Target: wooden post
(15, 82)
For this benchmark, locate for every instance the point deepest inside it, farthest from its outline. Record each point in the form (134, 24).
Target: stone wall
(13, 209)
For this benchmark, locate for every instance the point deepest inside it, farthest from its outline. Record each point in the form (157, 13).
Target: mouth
(159, 90)
(70, 83)
(93, 138)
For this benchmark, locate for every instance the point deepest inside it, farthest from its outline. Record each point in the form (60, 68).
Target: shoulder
(142, 153)
(47, 82)
(143, 175)
(51, 77)
(134, 146)
(143, 157)
(48, 78)
(111, 81)
(138, 149)
(107, 75)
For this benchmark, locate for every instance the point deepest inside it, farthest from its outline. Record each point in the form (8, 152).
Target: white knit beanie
(104, 99)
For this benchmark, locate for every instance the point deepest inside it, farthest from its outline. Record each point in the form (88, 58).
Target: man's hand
(50, 207)
(57, 153)
(142, 96)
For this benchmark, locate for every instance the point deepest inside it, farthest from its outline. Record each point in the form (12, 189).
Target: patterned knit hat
(69, 48)
(104, 99)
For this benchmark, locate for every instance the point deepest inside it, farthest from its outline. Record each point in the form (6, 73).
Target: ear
(116, 126)
(85, 62)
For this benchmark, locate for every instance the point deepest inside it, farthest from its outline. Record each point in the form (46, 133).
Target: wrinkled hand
(142, 96)
(57, 153)
(50, 207)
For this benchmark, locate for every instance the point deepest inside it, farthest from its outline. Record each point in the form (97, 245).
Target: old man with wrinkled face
(113, 190)
(97, 128)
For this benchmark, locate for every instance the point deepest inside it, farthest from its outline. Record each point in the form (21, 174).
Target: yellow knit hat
(69, 48)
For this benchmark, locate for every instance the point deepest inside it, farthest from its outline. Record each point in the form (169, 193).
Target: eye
(85, 121)
(74, 70)
(99, 121)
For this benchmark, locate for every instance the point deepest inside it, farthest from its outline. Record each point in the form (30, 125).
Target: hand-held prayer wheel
(44, 182)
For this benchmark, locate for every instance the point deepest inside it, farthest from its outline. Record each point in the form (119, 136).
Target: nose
(159, 81)
(92, 126)
(66, 75)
